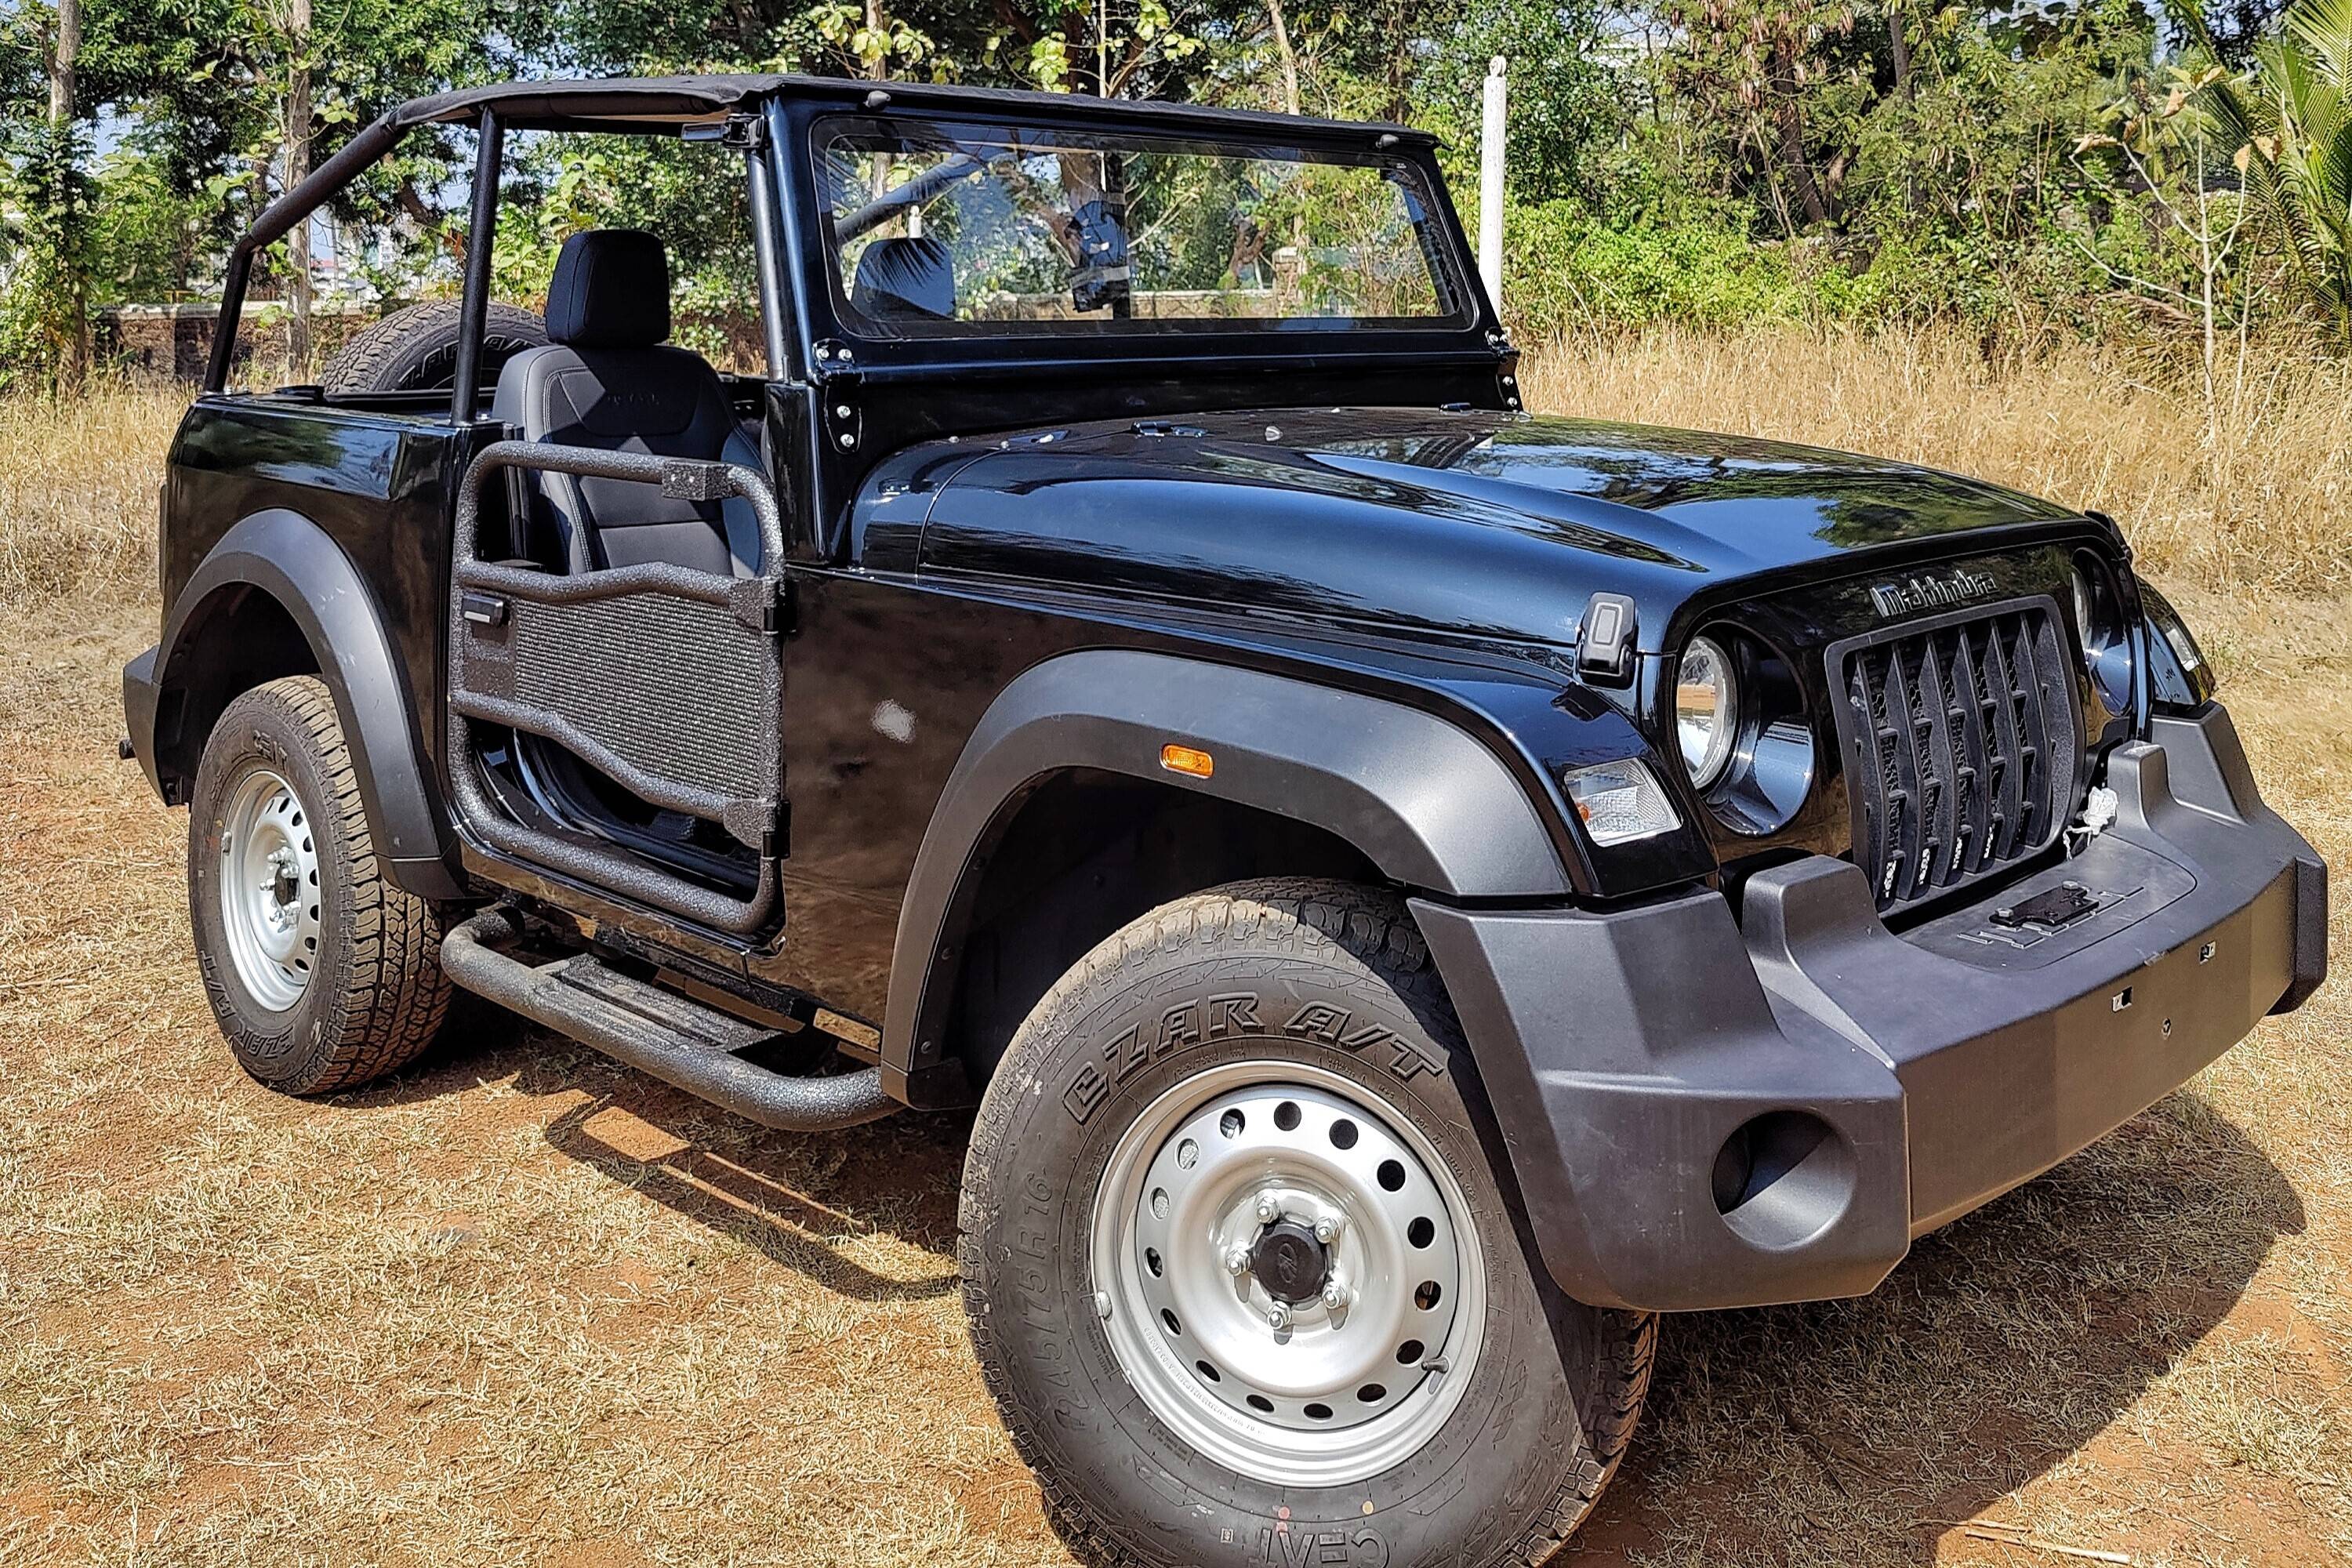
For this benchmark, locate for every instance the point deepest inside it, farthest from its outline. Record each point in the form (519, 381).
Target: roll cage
(828, 415)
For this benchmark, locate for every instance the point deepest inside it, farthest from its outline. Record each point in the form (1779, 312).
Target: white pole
(1490, 185)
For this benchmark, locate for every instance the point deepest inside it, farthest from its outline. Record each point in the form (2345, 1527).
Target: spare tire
(415, 349)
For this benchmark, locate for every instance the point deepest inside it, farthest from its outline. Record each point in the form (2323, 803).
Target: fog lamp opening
(1782, 1179)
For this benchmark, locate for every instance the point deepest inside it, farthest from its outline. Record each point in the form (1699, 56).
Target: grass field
(522, 1306)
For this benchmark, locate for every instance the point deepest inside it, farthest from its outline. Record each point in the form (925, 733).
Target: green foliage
(1567, 268)
(2288, 128)
(1568, 109)
(44, 214)
(2067, 166)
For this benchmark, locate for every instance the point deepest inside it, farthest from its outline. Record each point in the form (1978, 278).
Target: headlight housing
(1706, 709)
(1740, 724)
(2105, 637)
(2178, 671)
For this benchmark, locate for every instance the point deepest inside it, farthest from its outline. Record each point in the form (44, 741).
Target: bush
(1566, 270)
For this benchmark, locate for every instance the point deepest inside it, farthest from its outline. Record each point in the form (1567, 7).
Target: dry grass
(522, 1306)
(2263, 501)
(78, 489)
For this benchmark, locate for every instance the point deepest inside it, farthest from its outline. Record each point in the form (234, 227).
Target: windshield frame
(1446, 286)
(822, 304)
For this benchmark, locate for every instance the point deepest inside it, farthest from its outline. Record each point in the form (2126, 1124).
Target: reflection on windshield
(940, 232)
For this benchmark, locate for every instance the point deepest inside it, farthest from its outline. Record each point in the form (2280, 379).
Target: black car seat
(605, 379)
(905, 280)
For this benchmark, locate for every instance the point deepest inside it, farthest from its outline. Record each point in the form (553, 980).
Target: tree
(2288, 128)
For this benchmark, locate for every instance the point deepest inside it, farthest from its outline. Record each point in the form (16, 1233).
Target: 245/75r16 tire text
(1239, 1271)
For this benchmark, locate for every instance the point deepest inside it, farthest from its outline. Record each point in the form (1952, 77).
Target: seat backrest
(605, 379)
(903, 280)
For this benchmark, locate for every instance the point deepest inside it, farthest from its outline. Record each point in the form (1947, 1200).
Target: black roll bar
(473, 307)
(277, 219)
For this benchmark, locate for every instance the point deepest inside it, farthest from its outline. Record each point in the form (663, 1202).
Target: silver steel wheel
(1288, 1274)
(269, 888)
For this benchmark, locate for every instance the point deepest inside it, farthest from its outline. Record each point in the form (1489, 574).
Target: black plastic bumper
(139, 699)
(1703, 1112)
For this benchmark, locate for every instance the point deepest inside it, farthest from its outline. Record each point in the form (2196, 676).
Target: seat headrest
(611, 291)
(903, 278)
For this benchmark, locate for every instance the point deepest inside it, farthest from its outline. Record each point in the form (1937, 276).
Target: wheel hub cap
(269, 896)
(1294, 1282)
(1290, 1262)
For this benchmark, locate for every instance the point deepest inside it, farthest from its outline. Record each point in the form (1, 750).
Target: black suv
(1413, 890)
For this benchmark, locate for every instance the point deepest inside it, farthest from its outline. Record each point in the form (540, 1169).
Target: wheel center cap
(1289, 1262)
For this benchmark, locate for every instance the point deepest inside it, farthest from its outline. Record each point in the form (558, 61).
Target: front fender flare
(292, 560)
(1433, 808)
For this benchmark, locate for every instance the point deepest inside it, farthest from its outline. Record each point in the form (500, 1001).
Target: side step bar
(674, 1039)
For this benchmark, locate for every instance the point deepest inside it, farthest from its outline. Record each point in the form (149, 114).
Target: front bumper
(1704, 1113)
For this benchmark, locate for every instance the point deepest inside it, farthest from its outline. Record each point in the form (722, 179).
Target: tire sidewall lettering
(1232, 1016)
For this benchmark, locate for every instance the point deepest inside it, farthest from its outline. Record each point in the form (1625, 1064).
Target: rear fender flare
(1433, 808)
(295, 562)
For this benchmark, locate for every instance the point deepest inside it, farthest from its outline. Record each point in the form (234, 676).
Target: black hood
(1478, 522)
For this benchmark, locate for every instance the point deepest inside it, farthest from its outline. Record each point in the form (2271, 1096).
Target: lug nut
(1236, 1260)
(1327, 1230)
(1335, 1295)
(1277, 1316)
(1268, 1210)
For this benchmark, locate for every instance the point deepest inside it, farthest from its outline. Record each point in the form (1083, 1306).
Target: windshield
(970, 231)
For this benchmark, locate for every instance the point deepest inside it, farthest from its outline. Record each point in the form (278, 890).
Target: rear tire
(1261, 1042)
(323, 973)
(415, 349)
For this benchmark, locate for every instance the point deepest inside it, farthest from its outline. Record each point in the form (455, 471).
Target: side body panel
(890, 678)
(340, 517)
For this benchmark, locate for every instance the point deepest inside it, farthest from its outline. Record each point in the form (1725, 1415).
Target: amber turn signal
(1187, 760)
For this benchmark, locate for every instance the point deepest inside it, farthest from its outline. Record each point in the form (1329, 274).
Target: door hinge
(765, 604)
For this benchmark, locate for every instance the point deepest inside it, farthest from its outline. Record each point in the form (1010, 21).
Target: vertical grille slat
(2008, 789)
(1964, 702)
(1963, 743)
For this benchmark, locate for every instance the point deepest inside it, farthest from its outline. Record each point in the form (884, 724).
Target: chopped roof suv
(1413, 890)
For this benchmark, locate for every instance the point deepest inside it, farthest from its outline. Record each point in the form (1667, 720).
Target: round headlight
(2086, 608)
(1706, 709)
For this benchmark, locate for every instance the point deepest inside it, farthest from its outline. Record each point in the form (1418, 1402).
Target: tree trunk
(1399, 62)
(73, 351)
(1900, 47)
(1789, 115)
(294, 168)
(879, 69)
(1288, 57)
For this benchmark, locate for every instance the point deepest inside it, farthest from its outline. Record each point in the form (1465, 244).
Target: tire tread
(1307, 915)
(395, 997)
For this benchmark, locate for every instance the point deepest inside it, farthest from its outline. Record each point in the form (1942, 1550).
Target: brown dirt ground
(520, 1304)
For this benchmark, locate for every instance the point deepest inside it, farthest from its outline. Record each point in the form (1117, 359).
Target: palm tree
(2289, 122)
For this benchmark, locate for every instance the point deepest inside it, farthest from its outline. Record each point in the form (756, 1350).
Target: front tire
(323, 973)
(1239, 1271)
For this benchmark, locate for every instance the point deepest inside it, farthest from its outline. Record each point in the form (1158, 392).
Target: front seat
(607, 380)
(905, 280)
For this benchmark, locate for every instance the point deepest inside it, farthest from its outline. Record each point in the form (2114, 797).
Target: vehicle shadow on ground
(795, 1198)
(1847, 1432)
(1862, 1431)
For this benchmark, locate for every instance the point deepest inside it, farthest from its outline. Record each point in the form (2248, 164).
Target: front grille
(1961, 747)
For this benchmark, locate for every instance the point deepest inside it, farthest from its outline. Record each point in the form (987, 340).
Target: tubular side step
(671, 1037)
(631, 1004)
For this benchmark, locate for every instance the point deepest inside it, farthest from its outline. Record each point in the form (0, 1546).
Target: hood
(1474, 522)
